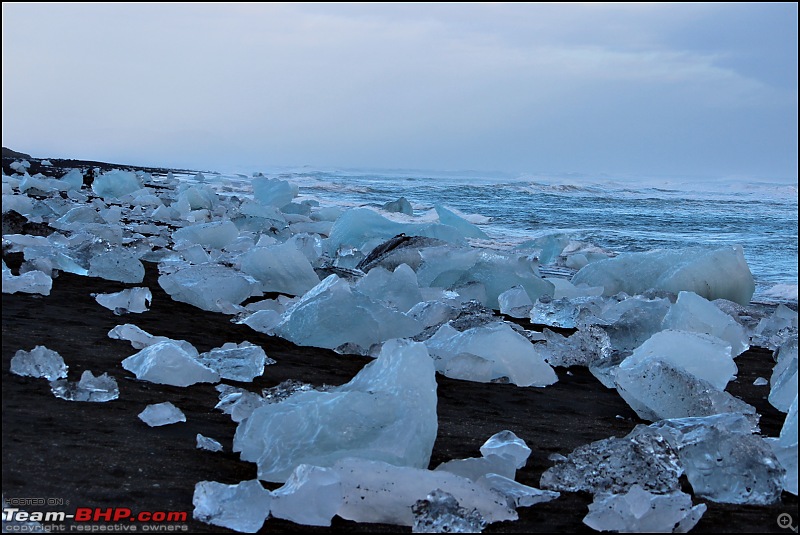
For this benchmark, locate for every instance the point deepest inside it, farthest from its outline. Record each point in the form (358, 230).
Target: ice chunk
(693, 313)
(774, 330)
(398, 289)
(333, 314)
(633, 321)
(477, 467)
(90, 388)
(116, 183)
(280, 268)
(590, 346)
(216, 234)
(783, 382)
(158, 414)
(507, 444)
(515, 302)
(39, 362)
(117, 264)
(657, 389)
(274, 192)
(311, 496)
(140, 339)
(517, 494)
(723, 460)
(238, 402)
(785, 448)
(206, 443)
(760, 381)
(131, 300)
(614, 465)
(564, 289)
(545, 248)
(711, 273)
(387, 412)
(242, 507)
(204, 286)
(237, 362)
(169, 363)
(567, 313)
(375, 491)
(450, 218)
(439, 512)
(640, 511)
(401, 205)
(704, 356)
(487, 353)
(31, 282)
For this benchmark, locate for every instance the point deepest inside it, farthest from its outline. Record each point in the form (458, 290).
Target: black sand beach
(102, 455)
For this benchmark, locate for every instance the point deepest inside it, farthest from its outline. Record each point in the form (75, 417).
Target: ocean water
(617, 215)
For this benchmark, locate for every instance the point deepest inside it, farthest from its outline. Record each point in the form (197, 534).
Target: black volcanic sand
(102, 455)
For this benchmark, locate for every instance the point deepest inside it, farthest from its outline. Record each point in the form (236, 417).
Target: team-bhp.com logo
(143, 520)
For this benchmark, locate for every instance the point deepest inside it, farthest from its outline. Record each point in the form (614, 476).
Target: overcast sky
(697, 90)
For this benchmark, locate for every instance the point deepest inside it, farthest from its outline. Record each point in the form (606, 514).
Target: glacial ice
(375, 491)
(694, 313)
(723, 460)
(545, 248)
(31, 282)
(516, 494)
(401, 205)
(712, 273)
(273, 192)
(90, 388)
(614, 465)
(398, 289)
(783, 382)
(158, 414)
(507, 444)
(117, 264)
(567, 313)
(280, 268)
(785, 448)
(216, 234)
(515, 302)
(242, 507)
(169, 363)
(439, 512)
(488, 353)
(657, 389)
(589, 346)
(39, 362)
(311, 496)
(205, 285)
(332, 314)
(633, 321)
(116, 184)
(703, 356)
(236, 362)
(140, 338)
(774, 330)
(207, 443)
(130, 300)
(641, 511)
(476, 467)
(450, 218)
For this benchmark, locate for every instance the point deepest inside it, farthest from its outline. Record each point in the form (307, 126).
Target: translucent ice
(640, 511)
(205, 285)
(401, 205)
(90, 388)
(333, 314)
(589, 346)
(487, 353)
(117, 264)
(634, 320)
(704, 356)
(131, 300)
(785, 448)
(237, 402)
(206, 443)
(694, 313)
(274, 192)
(398, 289)
(158, 414)
(783, 382)
(39, 362)
(614, 465)
(169, 363)
(387, 412)
(506, 443)
(237, 362)
(656, 390)
(439, 512)
(375, 491)
(311, 496)
(515, 302)
(280, 268)
(116, 183)
(140, 339)
(712, 273)
(567, 313)
(450, 218)
(216, 234)
(517, 494)
(476, 467)
(723, 460)
(31, 282)
(242, 507)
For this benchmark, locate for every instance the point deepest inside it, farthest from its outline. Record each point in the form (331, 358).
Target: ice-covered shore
(357, 281)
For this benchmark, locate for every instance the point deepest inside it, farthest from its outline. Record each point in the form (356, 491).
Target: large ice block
(273, 192)
(242, 507)
(783, 382)
(117, 264)
(398, 289)
(450, 218)
(216, 234)
(169, 363)
(206, 285)
(280, 268)
(439, 512)
(311, 496)
(387, 412)
(31, 282)
(785, 448)
(694, 313)
(116, 183)
(712, 273)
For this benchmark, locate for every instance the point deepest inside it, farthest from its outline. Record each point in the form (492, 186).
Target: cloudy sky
(697, 90)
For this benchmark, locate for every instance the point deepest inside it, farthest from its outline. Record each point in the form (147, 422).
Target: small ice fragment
(237, 362)
(131, 300)
(161, 414)
(440, 513)
(90, 388)
(243, 507)
(760, 381)
(206, 443)
(506, 443)
(39, 362)
(169, 363)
